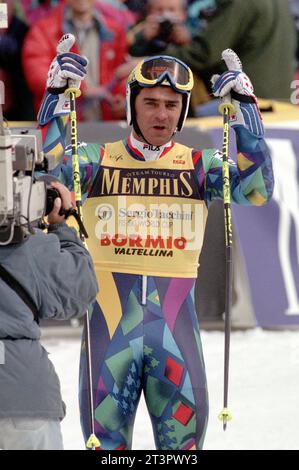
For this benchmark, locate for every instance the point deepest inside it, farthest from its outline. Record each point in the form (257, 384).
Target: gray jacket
(57, 271)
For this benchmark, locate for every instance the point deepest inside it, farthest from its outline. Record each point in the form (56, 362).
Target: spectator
(100, 39)
(118, 11)
(199, 11)
(137, 6)
(18, 104)
(164, 24)
(260, 31)
(34, 10)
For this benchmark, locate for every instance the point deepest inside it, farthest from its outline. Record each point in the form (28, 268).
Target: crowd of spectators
(114, 34)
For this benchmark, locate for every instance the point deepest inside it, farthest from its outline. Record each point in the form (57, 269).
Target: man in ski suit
(145, 211)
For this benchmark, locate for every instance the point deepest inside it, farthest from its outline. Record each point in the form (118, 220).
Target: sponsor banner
(153, 236)
(146, 182)
(269, 235)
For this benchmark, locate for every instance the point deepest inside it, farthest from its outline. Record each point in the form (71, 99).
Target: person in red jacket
(100, 39)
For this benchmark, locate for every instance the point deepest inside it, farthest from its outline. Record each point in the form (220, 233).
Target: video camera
(24, 200)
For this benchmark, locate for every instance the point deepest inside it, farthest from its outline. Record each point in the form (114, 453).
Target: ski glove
(234, 86)
(66, 70)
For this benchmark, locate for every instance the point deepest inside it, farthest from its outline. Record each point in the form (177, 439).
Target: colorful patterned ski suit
(144, 328)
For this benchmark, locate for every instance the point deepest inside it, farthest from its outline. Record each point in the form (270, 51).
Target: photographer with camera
(163, 24)
(43, 276)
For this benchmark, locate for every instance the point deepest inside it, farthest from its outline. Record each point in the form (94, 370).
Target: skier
(145, 210)
(49, 276)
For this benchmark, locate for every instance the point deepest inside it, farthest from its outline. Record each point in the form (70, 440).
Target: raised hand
(234, 78)
(235, 86)
(67, 68)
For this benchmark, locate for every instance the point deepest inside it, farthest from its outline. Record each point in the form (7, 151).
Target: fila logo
(153, 148)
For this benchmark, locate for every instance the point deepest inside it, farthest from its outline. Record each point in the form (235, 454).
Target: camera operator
(163, 24)
(57, 281)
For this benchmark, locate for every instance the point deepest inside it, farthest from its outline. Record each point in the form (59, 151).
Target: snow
(263, 391)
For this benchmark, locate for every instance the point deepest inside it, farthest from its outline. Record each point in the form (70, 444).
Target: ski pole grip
(72, 90)
(226, 104)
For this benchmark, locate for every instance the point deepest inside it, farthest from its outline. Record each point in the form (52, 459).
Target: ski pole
(92, 442)
(227, 109)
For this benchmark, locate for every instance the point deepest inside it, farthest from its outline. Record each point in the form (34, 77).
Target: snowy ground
(263, 394)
